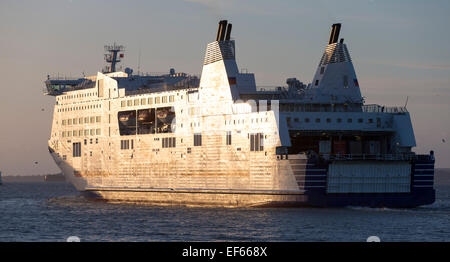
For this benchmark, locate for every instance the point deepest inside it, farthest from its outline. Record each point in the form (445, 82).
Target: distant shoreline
(35, 178)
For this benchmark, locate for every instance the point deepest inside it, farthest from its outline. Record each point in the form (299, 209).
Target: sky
(399, 49)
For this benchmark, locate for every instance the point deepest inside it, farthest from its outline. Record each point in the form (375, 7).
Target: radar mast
(112, 57)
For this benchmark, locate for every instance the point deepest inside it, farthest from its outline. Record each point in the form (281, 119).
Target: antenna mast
(113, 57)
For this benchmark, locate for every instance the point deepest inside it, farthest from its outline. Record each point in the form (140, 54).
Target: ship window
(92, 119)
(306, 120)
(349, 120)
(228, 137)
(143, 101)
(322, 69)
(98, 119)
(124, 144)
(127, 122)
(98, 131)
(257, 142)
(123, 103)
(317, 82)
(164, 99)
(328, 120)
(339, 120)
(86, 132)
(345, 81)
(188, 150)
(85, 141)
(171, 98)
(63, 122)
(75, 133)
(75, 121)
(69, 122)
(165, 120)
(86, 120)
(317, 120)
(136, 102)
(157, 100)
(360, 120)
(129, 103)
(197, 139)
(76, 149)
(168, 142)
(150, 100)
(370, 120)
(146, 121)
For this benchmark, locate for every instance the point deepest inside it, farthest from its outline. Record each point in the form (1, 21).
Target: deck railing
(383, 109)
(405, 156)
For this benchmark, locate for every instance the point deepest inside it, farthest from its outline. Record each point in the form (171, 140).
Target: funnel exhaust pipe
(334, 35)
(224, 31)
(221, 30)
(227, 37)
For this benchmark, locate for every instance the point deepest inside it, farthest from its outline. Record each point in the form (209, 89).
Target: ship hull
(252, 199)
(299, 183)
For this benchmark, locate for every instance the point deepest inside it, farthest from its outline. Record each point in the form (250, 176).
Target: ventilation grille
(335, 53)
(219, 50)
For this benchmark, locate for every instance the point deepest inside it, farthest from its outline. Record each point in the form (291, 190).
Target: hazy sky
(399, 49)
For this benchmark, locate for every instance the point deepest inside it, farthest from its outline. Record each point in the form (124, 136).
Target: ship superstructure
(222, 141)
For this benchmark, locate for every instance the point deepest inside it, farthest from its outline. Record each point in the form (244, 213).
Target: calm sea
(53, 211)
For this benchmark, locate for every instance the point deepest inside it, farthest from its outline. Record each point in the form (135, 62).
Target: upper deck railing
(383, 109)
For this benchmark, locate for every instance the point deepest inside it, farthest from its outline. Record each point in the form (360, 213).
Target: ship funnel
(334, 35)
(227, 37)
(221, 30)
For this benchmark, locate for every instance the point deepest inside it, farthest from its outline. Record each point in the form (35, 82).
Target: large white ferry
(219, 140)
